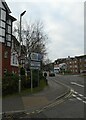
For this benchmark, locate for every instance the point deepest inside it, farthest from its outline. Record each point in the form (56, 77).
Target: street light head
(23, 13)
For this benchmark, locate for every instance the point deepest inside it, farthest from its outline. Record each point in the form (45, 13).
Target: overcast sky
(63, 23)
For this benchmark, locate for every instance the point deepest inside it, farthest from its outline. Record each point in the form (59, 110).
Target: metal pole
(20, 59)
(20, 52)
(38, 77)
(31, 81)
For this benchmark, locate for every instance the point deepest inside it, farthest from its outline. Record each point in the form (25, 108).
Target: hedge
(10, 82)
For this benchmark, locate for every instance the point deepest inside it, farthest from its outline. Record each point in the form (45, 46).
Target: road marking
(75, 92)
(84, 101)
(84, 97)
(74, 95)
(78, 98)
(74, 83)
(81, 95)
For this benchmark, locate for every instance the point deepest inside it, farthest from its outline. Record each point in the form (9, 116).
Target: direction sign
(35, 68)
(35, 56)
(35, 64)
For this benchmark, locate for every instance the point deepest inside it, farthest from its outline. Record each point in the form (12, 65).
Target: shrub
(25, 82)
(22, 71)
(10, 84)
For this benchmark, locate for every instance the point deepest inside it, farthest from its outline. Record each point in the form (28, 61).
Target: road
(73, 107)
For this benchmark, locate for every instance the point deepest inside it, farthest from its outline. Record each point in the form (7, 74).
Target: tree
(33, 39)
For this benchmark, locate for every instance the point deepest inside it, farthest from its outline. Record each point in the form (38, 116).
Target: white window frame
(3, 15)
(14, 59)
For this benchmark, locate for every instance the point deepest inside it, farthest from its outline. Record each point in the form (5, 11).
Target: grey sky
(63, 21)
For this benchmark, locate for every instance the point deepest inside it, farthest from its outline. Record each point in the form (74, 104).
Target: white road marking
(74, 83)
(81, 95)
(84, 101)
(74, 95)
(78, 98)
(75, 92)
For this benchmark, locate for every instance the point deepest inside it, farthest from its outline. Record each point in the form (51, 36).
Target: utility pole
(20, 51)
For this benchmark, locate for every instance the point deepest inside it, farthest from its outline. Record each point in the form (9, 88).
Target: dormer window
(9, 21)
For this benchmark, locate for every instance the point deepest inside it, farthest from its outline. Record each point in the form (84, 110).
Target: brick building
(6, 21)
(75, 64)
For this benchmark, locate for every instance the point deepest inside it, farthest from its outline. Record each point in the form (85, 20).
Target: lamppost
(20, 51)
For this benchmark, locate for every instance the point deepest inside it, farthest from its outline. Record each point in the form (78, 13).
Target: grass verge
(41, 86)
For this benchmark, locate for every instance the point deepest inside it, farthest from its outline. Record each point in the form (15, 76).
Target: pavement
(32, 102)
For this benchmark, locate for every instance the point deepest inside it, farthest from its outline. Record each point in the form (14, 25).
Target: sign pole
(38, 77)
(31, 81)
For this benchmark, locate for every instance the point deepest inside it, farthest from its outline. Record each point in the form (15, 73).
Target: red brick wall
(14, 69)
(6, 61)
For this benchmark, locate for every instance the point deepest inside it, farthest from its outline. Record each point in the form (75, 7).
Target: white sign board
(34, 63)
(35, 68)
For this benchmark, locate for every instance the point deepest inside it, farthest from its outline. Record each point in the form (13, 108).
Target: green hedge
(10, 84)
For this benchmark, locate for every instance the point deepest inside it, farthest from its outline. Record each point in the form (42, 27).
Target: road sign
(34, 63)
(35, 56)
(35, 68)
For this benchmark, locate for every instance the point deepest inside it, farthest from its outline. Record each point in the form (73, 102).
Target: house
(81, 63)
(14, 55)
(75, 64)
(72, 65)
(6, 21)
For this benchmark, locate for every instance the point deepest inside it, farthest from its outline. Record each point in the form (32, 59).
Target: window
(75, 61)
(8, 30)
(2, 24)
(75, 66)
(14, 59)
(8, 44)
(2, 39)
(5, 71)
(80, 60)
(6, 54)
(3, 15)
(8, 37)
(9, 22)
(2, 32)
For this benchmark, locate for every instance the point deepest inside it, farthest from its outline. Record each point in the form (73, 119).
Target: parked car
(51, 73)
